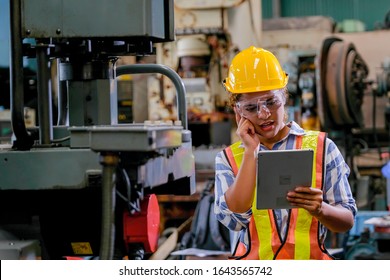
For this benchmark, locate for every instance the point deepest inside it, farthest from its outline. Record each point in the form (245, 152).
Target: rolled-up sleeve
(337, 187)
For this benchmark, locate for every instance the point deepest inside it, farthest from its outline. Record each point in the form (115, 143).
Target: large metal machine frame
(78, 181)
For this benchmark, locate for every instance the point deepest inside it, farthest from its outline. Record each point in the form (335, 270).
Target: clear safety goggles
(257, 107)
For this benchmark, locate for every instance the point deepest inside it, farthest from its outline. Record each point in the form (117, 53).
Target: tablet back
(279, 171)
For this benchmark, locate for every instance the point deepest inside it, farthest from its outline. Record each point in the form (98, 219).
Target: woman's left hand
(307, 198)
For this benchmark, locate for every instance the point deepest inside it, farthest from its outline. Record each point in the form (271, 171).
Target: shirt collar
(295, 128)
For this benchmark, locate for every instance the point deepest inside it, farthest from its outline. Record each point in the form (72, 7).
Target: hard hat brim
(228, 85)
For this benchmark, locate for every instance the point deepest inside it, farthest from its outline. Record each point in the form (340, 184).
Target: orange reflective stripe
(230, 157)
(253, 254)
(241, 250)
(276, 242)
(315, 254)
(298, 142)
(320, 154)
(287, 251)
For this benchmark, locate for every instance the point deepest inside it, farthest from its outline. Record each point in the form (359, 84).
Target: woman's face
(265, 110)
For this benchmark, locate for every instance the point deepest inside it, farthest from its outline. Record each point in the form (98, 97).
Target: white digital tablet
(279, 171)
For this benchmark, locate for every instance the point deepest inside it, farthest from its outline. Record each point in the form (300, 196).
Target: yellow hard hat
(253, 70)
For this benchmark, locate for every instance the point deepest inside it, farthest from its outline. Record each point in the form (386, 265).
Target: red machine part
(381, 229)
(143, 227)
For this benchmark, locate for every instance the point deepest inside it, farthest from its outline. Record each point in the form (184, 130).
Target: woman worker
(256, 85)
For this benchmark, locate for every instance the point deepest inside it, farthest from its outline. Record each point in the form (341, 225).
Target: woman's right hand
(247, 133)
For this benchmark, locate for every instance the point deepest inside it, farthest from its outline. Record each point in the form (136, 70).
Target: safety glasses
(257, 107)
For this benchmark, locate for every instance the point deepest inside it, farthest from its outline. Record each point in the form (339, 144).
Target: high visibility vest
(302, 239)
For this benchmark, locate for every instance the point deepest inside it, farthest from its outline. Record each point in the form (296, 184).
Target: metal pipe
(276, 9)
(109, 162)
(62, 97)
(170, 73)
(23, 139)
(44, 96)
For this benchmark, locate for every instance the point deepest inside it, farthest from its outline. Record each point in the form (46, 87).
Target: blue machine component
(363, 241)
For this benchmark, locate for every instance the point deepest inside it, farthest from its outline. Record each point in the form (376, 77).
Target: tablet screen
(279, 171)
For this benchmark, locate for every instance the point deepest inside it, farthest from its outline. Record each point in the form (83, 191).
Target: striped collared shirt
(336, 188)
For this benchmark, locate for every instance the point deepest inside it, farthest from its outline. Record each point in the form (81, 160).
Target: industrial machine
(201, 55)
(79, 183)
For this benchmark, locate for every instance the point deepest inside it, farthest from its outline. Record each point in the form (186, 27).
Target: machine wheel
(340, 84)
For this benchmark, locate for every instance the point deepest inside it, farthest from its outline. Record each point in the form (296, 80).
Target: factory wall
(338, 10)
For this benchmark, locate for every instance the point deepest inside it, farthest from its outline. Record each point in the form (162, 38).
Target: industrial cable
(24, 140)
(60, 140)
(127, 183)
(134, 206)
